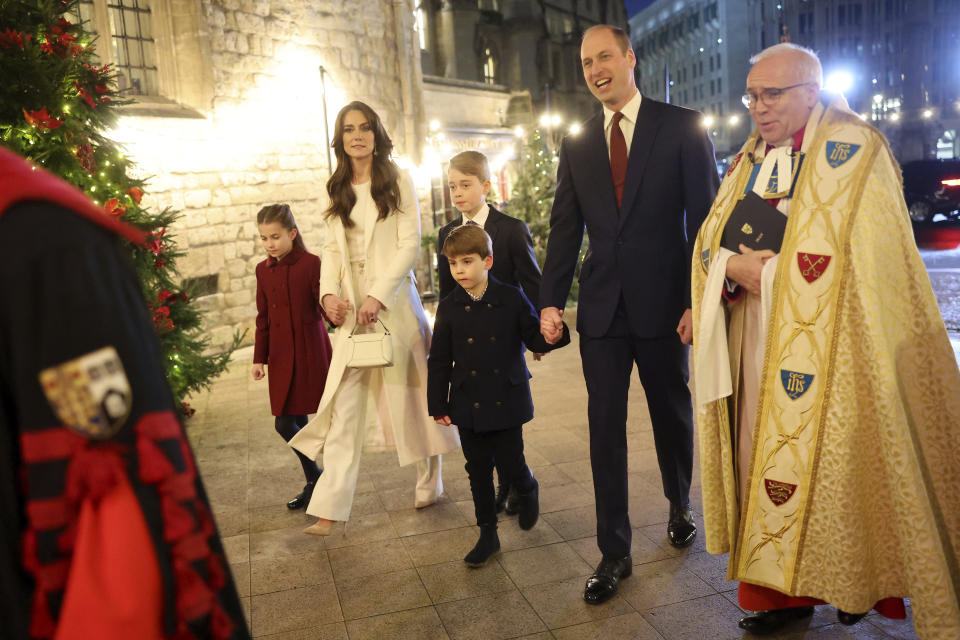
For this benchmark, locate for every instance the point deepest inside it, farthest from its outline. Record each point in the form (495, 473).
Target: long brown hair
(384, 175)
(281, 213)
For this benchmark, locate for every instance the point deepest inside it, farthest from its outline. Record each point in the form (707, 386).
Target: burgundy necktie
(618, 157)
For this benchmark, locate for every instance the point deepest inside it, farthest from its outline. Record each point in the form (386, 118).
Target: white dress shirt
(480, 218)
(627, 122)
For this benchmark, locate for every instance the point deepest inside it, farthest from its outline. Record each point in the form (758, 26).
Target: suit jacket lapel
(644, 133)
(490, 226)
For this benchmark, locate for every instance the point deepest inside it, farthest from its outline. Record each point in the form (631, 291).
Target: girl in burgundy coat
(291, 338)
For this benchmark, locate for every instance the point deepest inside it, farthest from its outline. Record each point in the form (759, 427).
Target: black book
(755, 223)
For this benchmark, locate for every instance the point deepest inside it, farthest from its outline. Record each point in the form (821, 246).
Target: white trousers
(333, 496)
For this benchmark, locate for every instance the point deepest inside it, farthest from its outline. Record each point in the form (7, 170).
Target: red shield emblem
(812, 265)
(778, 492)
(734, 163)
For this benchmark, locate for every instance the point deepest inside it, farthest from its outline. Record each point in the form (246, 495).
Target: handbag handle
(385, 330)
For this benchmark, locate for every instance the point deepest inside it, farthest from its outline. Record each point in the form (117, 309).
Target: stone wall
(262, 139)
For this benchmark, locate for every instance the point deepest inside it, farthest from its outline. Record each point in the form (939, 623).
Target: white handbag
(370, 349)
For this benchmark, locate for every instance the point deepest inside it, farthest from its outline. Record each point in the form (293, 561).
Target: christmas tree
(531, 197)
(56, 103)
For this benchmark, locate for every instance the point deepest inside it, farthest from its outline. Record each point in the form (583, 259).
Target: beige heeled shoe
(322, 527)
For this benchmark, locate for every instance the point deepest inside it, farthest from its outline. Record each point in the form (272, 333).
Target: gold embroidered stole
(798, 361)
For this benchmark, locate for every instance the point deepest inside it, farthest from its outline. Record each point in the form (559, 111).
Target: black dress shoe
(602, 585)
(766, 622)
(303, 498)
(502, 491)
(849, 618)
(528, 507)
(512, 506)
(680, 529)
(487, 545)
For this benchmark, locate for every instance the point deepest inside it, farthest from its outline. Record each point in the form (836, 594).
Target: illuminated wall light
(556, 120)
(545, 120)
(707, 121)
(927, 113)
(434, 125)
(518, 131)
(895, 116)
(575, 128)
(734, 120)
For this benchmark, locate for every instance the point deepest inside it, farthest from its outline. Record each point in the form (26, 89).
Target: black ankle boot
(529, 507)
(487, 545)
(502, 491)
(303, 498)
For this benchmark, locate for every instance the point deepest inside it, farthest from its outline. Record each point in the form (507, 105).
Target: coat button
(466, 308)
(469, 340)
(493, 338)
(473, 372)
(489, 306)
(499, 404)
(476, 405)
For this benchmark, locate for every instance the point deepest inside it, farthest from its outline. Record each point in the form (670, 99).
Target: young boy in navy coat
(478, 379)
(514, 261)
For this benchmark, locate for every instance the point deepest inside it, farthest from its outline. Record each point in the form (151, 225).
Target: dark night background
(633, 6)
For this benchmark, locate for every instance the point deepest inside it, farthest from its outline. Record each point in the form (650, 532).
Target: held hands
(551, 324)
(745, 268)
(685, 328)
(336, 308)
(369, 310)
(258, 371)
(444, 420)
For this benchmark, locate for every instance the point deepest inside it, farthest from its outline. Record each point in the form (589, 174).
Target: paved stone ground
(397, 573)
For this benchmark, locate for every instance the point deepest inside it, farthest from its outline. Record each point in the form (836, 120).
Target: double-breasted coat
(477, 372)
(291, 338)
(392, 246)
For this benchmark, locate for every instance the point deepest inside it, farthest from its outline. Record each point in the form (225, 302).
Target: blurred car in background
(932, 191)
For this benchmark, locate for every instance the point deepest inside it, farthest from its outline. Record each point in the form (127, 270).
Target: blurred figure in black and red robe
(105, 528)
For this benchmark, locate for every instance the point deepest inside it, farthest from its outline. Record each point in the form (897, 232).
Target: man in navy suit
(640, 177)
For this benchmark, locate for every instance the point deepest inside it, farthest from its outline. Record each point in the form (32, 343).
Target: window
(489, 66)
(856, 14)
(711, 63)
(719, 85)
(842, 16)
(129, 29)
(712, 85)
(151, 44)
(718, 61)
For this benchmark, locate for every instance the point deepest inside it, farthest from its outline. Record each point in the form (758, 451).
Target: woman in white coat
(366, 276)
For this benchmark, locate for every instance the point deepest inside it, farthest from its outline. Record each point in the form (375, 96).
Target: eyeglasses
(768, 97)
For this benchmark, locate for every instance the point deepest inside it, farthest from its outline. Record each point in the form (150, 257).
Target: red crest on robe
(812, 265)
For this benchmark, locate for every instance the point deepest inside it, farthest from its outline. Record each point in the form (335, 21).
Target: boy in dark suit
(514, 261)
(478, 380)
